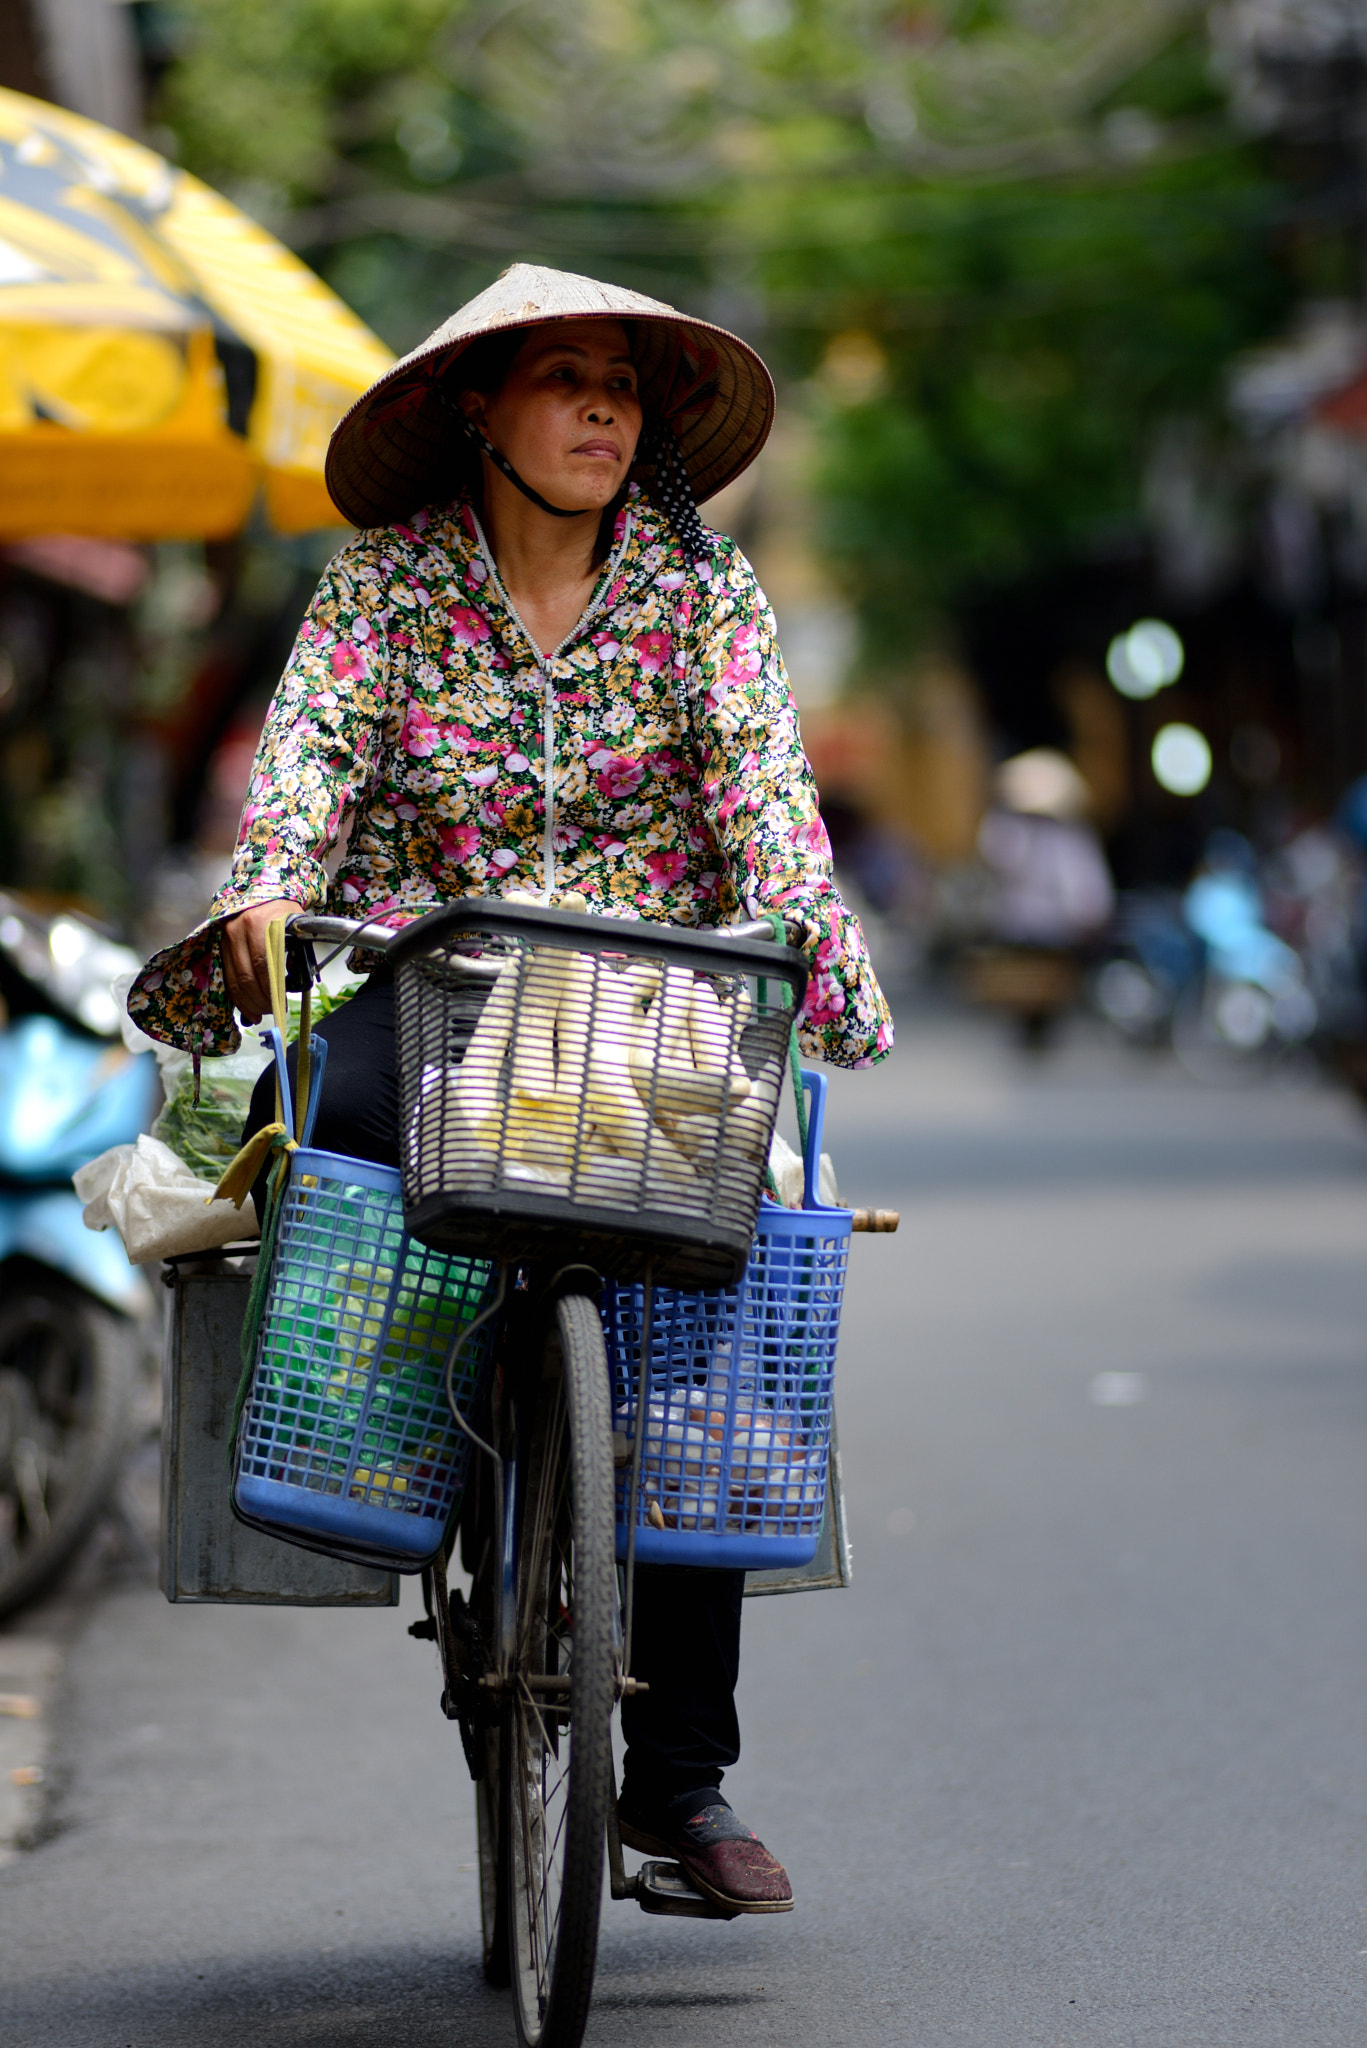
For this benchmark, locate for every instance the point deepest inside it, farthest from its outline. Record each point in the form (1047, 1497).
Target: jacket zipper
(548, 691)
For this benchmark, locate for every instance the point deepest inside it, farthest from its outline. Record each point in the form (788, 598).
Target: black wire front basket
(588, 1088)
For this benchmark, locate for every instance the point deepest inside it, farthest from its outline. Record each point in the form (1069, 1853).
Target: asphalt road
(1080, 1758)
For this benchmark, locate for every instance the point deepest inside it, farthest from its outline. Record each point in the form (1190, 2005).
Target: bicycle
(570, 1193)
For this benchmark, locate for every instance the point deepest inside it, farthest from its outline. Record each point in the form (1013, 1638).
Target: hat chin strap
(501, 463)
(658, 445)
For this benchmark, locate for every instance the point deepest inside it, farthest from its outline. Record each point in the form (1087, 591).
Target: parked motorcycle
(1205, 973)
(1320, 880)
(1149, 958)
(71, 1307)
(1251, 1005)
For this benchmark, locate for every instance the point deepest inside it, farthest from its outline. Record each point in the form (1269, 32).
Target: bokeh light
(1181, 760)
(1146, 659)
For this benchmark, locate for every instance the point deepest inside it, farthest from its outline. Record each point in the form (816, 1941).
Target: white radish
(668, 1173)
(664, 1028)
(663, 1061)
(713, 1027)
(618, 1116)
(695, 1137)
(477, 1102)
(541, 1128)
(656, 1031)
(572, 1026)
(606, 1178)
(748, 1128)
(556, 1178)
(672, 1090)
(545, 973)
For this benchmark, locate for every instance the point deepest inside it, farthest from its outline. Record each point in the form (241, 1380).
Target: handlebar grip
(340, 931)
(881, 1220)
(761, 929)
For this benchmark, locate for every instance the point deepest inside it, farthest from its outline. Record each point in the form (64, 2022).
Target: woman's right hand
(243, 945)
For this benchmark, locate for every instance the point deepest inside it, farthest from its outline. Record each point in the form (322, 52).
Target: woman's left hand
(243, 943)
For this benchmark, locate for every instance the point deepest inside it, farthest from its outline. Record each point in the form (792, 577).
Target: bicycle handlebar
(376, 938)
(341, 931)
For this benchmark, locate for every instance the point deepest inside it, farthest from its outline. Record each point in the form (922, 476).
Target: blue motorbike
(1204, 973)
(72, 1309)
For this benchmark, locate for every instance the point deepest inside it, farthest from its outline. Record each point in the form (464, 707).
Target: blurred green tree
(1024, 347)
(1004, 240)
(1029, 238)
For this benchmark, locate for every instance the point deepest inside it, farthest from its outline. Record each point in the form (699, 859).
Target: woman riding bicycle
(534, 669)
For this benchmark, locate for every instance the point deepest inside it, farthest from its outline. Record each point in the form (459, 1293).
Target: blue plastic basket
(739, 1392)
(346, 1441)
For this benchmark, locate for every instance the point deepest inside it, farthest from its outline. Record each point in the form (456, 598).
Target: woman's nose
(600, 413)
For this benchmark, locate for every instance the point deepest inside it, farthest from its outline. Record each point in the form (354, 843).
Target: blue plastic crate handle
(318, 1055)
(815, 1085)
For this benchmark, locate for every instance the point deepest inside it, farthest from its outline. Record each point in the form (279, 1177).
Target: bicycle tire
(557, 1759)
(493, 1890)
(68, 1366)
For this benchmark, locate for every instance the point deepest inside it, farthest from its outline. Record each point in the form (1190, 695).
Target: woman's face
(567, 416)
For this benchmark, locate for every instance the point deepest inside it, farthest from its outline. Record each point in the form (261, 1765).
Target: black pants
(683, 1733)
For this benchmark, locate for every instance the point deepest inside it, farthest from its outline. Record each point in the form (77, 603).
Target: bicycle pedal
(664, 1888)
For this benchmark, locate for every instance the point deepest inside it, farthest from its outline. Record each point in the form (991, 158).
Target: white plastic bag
(786, 1167)
(157, 1205)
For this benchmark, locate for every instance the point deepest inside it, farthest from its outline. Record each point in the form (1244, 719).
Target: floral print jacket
(415, 701)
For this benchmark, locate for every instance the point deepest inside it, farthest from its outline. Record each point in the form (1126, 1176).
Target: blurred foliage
(1023, 348)
(273, 92)
(1004, 241)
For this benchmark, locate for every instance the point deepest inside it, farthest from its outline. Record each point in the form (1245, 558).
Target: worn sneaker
(721, 1856)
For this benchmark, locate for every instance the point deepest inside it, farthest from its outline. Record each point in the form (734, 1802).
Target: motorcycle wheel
(1222, 1033)
(68, 1369)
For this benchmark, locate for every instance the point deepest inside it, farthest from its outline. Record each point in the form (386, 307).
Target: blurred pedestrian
(1053, 894)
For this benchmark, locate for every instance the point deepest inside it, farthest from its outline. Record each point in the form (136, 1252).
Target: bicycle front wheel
(480, 1555)
(557, 1757)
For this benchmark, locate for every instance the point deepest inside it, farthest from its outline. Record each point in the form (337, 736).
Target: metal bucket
(207, 1554)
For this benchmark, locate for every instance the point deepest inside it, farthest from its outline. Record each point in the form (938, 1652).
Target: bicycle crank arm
(557, 1682)
(535, 1681)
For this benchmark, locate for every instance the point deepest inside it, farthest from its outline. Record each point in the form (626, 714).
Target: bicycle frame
(473, 1697)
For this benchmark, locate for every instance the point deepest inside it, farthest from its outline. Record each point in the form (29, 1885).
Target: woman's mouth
(607, 448)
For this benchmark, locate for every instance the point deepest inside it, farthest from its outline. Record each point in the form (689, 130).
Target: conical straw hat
(398, 449)
(1042, 783)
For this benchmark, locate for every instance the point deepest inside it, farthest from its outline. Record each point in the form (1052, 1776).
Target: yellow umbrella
(160, 355)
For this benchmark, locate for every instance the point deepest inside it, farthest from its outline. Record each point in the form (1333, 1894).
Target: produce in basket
(361, 1366)
(207, 1135)
(613, 1077)
(755, 1475)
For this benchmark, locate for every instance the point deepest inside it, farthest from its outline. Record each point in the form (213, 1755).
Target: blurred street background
(1079, 1757)
(1065, 299)
(1066, 308)
(1065, 524)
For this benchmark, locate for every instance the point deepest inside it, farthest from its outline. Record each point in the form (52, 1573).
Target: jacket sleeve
(320, 745)
(759, 800)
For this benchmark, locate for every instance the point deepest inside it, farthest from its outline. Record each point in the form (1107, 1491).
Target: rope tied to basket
(242, 1173)
(774, 919)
